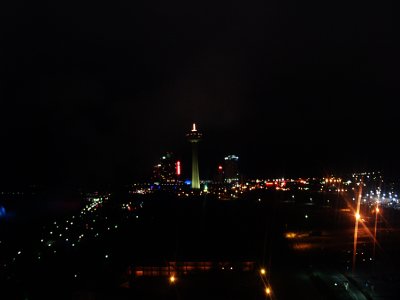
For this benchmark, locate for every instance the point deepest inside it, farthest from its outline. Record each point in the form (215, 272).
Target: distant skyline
(94, 93)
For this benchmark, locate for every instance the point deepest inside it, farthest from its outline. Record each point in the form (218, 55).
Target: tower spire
(194, 138)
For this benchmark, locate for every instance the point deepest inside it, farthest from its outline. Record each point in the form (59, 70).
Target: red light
(178, 168)
(220, 168)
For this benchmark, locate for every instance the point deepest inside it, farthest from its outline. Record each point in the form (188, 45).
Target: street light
(172, 279)
(268, 290)
(263, 271)
(357, 216)
(375, 229)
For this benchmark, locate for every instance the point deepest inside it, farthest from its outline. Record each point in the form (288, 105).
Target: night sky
(94, 93)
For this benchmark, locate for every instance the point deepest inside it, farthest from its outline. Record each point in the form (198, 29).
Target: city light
(92, 221)
(172, 279)
(268, 290)
(355, 238)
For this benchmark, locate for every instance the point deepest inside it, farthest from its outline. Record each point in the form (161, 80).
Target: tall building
(194, 138)
(231, 168)
(219, 178)
(165, 170)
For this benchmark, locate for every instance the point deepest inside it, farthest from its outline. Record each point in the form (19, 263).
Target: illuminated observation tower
(194, 138)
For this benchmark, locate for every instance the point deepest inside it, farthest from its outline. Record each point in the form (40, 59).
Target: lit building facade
(231, 168)
(166, 170)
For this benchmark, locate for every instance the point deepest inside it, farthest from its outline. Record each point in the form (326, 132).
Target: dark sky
(95, 92)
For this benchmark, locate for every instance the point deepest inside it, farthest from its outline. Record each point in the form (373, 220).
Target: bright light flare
(290, 235)
(377, 210)
(268, 290)
(172, 279)
(357, 215)
(263, 271)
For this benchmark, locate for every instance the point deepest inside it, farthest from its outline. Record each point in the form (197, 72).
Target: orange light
(172, 279)
(267, 290)
(357, 215)
(262, 271)
(377, 210)
(290, 235)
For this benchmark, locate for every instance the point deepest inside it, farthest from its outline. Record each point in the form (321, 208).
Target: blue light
(2, 212)
(188, 182)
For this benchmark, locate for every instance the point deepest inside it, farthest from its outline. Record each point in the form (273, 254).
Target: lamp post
(357, 218)
(377, 210)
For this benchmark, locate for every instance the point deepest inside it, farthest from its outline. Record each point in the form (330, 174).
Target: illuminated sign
(178, 168)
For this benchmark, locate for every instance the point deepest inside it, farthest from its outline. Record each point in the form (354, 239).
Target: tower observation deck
(194, 137)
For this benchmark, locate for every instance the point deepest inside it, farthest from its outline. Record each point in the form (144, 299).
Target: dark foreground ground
(95, 258)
